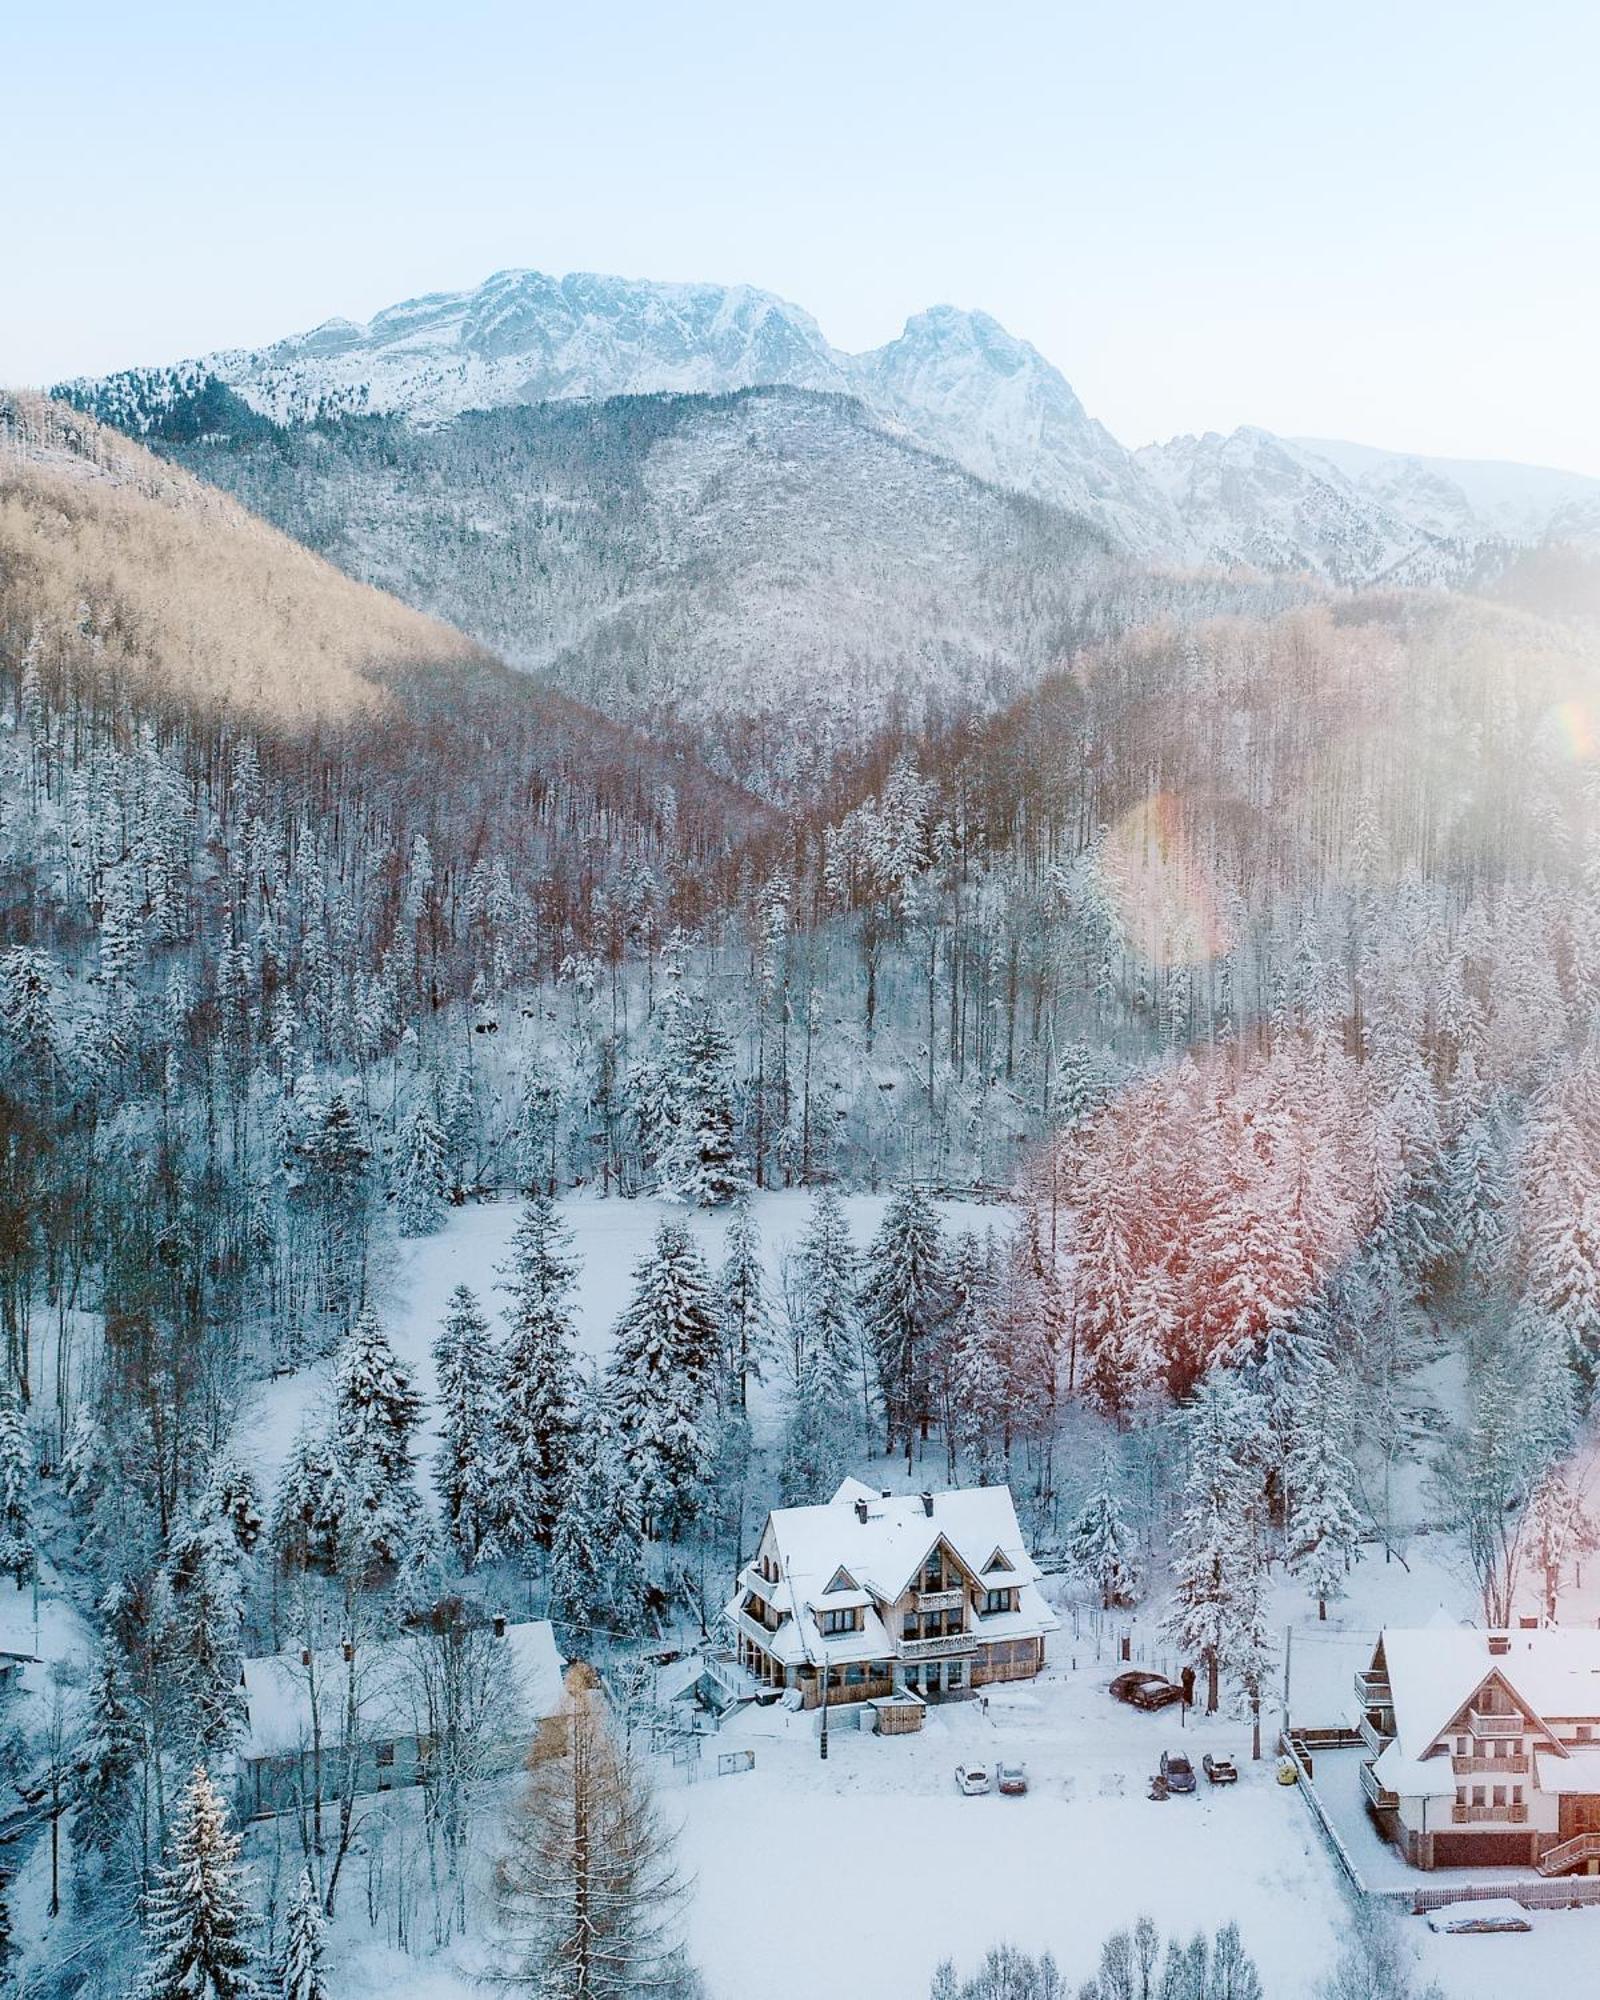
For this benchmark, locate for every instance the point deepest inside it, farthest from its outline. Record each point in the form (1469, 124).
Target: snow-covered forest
(1122, 1032)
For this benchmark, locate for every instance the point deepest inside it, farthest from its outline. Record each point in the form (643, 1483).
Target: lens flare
(1578, 725)
(1164, 896)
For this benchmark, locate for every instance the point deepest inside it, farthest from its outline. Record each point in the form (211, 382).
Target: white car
(972, 1779)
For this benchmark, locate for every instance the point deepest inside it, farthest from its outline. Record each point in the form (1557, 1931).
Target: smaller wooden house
(319, 1721)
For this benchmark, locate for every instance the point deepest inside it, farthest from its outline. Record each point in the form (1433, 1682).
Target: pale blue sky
(1359, 220)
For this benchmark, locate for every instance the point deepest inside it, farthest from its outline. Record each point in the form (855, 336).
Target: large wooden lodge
(1485, 1747)
(878, 1597)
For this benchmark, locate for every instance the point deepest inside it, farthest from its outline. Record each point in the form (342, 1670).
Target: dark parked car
(1220, 1770)
(1177, 1770)
(1146, 1690)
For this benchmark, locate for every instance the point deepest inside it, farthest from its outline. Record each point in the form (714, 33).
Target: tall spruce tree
(597, 1581)
(17, 1556)
(465, 1474)
(903, 1306)
(1100, 1545)
(375, 1416)
(422, 1177)
(742, 1305)
(1217, 1547)
(661, 1380)
(197, 1921)
(305, 1947)
(537, 1378)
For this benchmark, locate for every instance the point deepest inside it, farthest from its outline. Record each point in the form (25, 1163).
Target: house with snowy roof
(1485, 1747)
(882, 1597)
(361, 1714)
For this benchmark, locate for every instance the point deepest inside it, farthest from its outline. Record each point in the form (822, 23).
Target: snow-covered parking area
(808, 1872)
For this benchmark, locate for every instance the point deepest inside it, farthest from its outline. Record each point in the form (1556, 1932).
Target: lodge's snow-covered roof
(278, 1690)
(1578, 1771)
(1433, 1674)
(1396, 1772)
(882, 1554)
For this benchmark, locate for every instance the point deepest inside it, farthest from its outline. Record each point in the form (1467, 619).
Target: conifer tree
(537, 1378)
(705, 1167)
(107, 1758)
(1324, 1527)
(17, 1557)
(375, 1415)
(661, 1378)
(903, 1306)
(422, 1180)
(304, 1949)
(197, 1921)
(596, 1566)
(206, 1594)
(589, 1891)
(1100, 1544)
(742, 1304)
(1217, 1548)
(465, 1466)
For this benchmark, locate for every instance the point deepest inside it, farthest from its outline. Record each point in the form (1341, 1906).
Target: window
(842, 1580)
(913, 1677)
(910, 1629)
(996, 1600)
(1480, 1795)
(385, 1755)
(840, 1621)
(1499, 1795)
(1585, 1732)
(1463, 1746)
(853, 1676)
(1461, 1795)
(954, 1674)
(1516, 1795)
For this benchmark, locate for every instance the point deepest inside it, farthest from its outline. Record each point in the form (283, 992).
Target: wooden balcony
(947, 1646)
(1489, 1815)
(1384, 1800)
(941, 1600)
(1478, 1767)
(1376, 1739)
(1372, 1690)
(1495, 1725)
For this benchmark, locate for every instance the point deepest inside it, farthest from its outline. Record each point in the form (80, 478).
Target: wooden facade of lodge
(872, 1596)
(1485, 1747)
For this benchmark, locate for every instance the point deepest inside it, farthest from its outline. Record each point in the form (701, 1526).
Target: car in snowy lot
(1177, 1771)
(1140, 1689)
(972, 1779)
(1492, 1913)
(1220, 1770)
(1011, 1780)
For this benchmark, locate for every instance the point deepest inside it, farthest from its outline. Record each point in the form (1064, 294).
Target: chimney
(1499, 1643)
(499, 1624)
(927, 1505)
(861, 1512)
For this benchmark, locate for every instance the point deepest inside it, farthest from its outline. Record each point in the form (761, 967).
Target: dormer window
(836, 1622)
(997, 1562)
(841, 1580)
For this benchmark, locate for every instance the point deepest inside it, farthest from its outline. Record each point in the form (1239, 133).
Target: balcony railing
(1475, 1767)
(1502, 1815)
(1373, 1690)
(1376, 1739)
(941, 1600)
(943, 1647)
(1495, 1725)
(1385, 1801)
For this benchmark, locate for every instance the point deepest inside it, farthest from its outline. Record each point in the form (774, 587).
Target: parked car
(1140, 1689)
(1177, 1770)
(1011, 1779)
(1220, 1770)
(972, 1779)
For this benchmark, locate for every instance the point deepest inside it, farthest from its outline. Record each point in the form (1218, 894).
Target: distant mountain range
(955, 382)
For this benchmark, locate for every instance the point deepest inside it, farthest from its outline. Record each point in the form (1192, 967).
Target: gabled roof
(278, 1699)
(1436, 1672)
(883, 1554)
